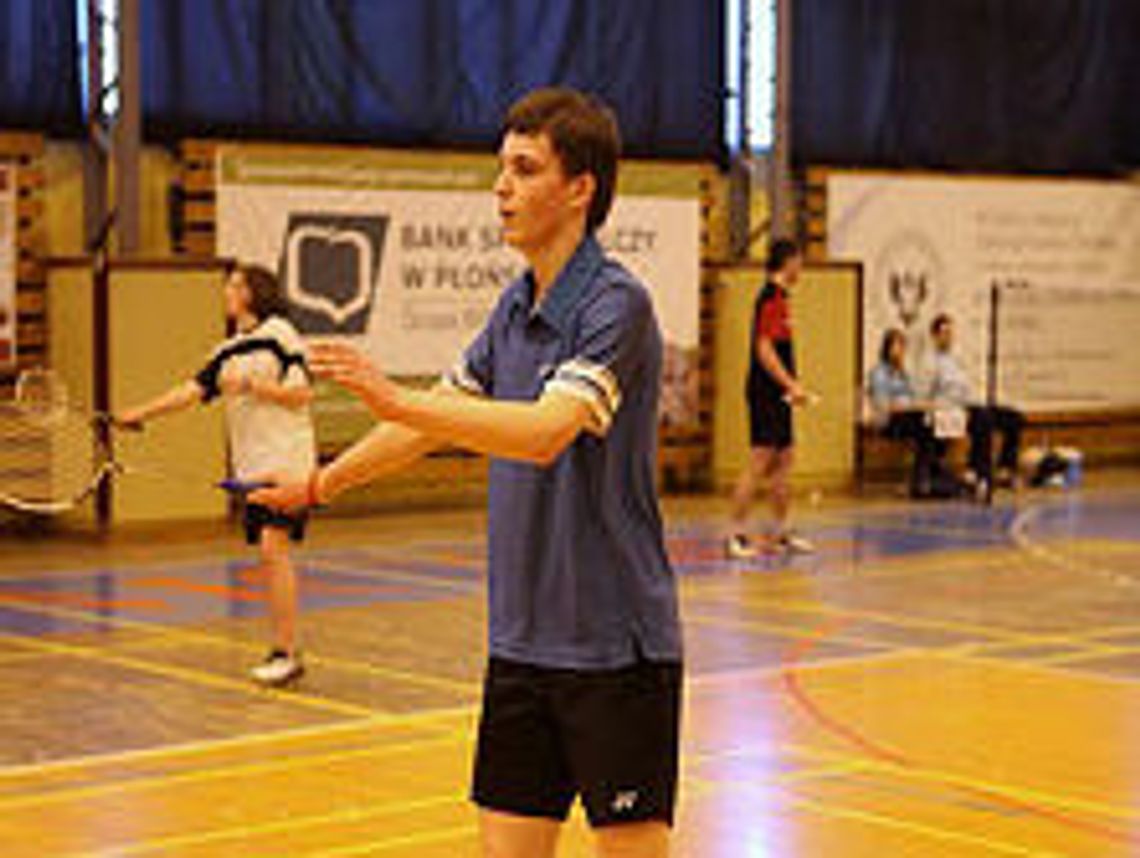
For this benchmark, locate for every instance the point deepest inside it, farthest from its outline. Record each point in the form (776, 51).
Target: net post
(992, 369)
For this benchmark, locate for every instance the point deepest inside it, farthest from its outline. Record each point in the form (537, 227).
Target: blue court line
(195, 591)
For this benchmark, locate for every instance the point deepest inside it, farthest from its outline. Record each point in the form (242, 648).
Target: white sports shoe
(791, 542)
(279, 668)
(738, 547)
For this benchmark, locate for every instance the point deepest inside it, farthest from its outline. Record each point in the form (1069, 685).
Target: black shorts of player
(769, 420)
(256, 517)
(610, 737)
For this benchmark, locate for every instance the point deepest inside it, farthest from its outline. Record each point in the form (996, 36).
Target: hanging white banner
(933, 245)
(8, 253)
(403, 250)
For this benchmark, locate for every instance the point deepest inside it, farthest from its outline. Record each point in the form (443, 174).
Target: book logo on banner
(330, 265)
(910, 280)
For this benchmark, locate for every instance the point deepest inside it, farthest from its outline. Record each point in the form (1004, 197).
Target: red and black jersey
(770, 319)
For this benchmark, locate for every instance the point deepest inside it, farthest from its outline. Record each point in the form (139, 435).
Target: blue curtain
(1021, 85)
(430, 72)
(39, 66)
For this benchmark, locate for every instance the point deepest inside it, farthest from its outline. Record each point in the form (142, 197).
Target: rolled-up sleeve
(607, 356)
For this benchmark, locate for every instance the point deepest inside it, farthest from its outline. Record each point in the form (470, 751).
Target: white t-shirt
(946, 381)
(265, 437)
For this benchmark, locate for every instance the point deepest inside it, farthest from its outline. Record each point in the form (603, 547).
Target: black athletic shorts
(257, 516)
(769, 420)
(611, 737)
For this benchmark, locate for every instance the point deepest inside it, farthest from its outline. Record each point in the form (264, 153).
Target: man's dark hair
(265, 296)
(583, 132)
(779, 253)
(939, 322)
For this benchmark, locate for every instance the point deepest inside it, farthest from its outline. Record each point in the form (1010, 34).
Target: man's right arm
(387, 448)
(770, 360)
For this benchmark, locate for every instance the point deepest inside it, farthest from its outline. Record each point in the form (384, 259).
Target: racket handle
(115, 423)
(243, 487)
(809, 399)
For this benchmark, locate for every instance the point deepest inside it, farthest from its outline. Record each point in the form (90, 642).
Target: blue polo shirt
(578, 576)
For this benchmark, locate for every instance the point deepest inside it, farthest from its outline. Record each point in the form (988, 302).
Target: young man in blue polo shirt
(582, 692)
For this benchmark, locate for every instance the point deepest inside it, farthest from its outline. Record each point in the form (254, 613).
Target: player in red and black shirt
(771, 392)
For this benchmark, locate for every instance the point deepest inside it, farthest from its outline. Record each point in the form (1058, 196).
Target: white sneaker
(279, 668)
(792, 543)
(738, 547)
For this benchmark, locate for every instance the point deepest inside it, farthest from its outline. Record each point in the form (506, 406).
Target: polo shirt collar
(568, 287)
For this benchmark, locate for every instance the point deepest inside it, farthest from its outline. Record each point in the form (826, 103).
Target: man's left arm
(583, 394)
(534, 432)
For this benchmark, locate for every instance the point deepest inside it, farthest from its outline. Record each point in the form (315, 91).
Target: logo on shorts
(330, 264)
(624, 801)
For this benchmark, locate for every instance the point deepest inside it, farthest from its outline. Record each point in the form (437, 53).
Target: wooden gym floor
(940, 680)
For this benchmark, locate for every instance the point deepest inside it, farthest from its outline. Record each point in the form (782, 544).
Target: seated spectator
(899, 415)
(947, 385)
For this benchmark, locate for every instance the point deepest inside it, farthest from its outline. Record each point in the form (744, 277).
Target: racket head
(40, 392)
(52, 457)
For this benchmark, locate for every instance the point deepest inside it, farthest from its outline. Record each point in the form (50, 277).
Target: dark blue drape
(430, 72)
(1033, 85)
(39, 65)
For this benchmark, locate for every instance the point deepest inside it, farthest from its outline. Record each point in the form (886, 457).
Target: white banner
(8, 254)
(931, 245)
(403, 249)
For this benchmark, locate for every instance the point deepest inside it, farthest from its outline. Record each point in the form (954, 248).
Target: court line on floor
(900, 620)
(1040, 549)
(146, 783)
(876, 568)
(195, 677)
(383, 809)
(15, 657)
(877, 818)
(437, 836)
(380, 721)
(998, 636)
(1052, 668)
(181, 634)
(848, 763)
(925, 772)
(746, 624)
(454, 686)
(850, 735)
(293, 823)
(927, 830)
(207, 746)
(929, 774)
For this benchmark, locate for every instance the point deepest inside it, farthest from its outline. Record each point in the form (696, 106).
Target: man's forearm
(528, 431)
(387, 448)
(770, 360)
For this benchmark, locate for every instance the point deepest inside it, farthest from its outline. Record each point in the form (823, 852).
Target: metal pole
(992, 371)
(780, 172)
(744, 130)
(128, 133)
(96, 151)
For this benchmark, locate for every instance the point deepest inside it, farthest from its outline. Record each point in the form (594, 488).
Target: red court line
(40, 597)
(794, 689)
(233, 594)
(256, 577)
